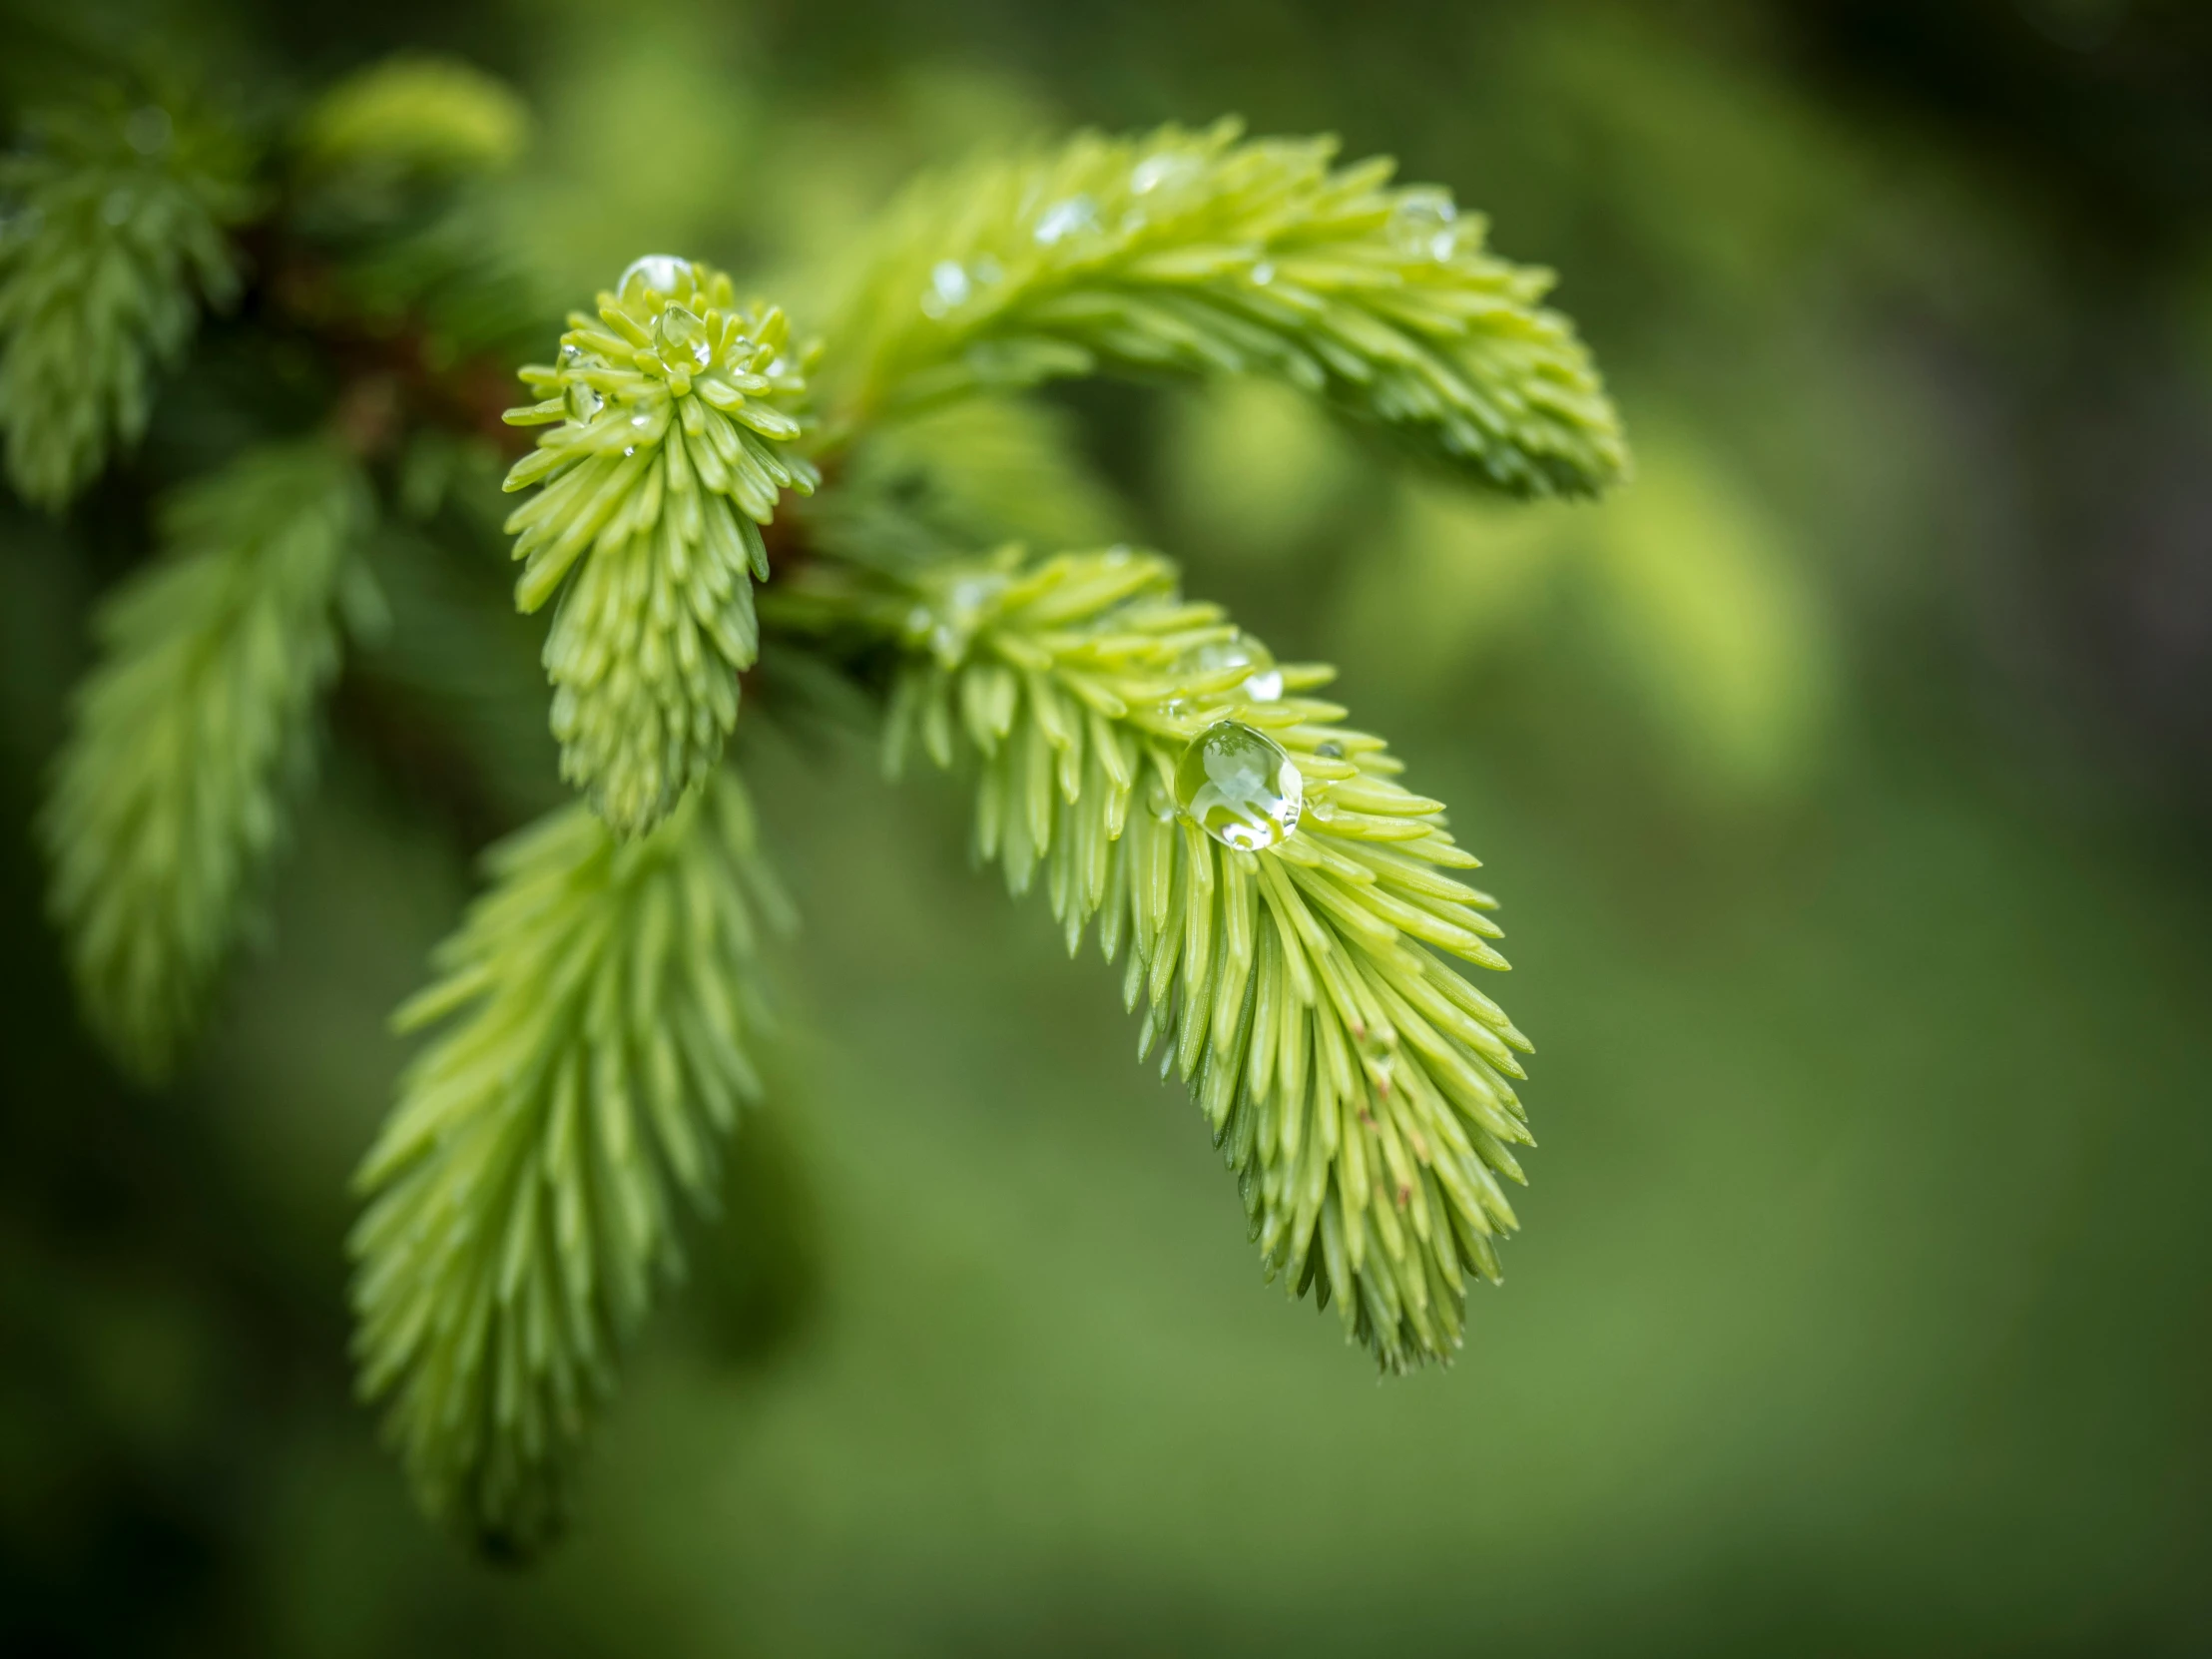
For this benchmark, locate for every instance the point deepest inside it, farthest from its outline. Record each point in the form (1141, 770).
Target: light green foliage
(1357, 1084)
(190, 732)
(114, 238)
(669, 417)
(392, 189)
(1199, 253)
(603, 1004)
(415, 114)
(1287, 912)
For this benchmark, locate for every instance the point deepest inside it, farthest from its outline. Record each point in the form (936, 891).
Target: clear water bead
(1329, 751)
(949, 287)
(1423, 225)
(963, 610)
(1162, 172)
(1264, 683)
(1239, 787)
(680, 337)
(1066, 219)
(657, 272)
(584, 403)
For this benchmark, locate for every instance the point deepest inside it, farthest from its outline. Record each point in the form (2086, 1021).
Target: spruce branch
(192, 731)
(601, 1002)
(1202, 253)
(669, 418)
(390, 227)
(116, 238)
(1281, 898)
(412, 116)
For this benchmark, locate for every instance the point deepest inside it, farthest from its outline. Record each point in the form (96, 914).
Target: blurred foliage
(114, 240)
(194, 730)
(415, 115)
(1859, 882)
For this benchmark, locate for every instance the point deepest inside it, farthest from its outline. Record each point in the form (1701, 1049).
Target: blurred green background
(1845, 779)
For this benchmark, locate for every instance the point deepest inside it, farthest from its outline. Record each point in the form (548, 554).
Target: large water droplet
(584, 403)
(680, 338)
(949, 287)
(1066, 219)
(1264, 683)
(1422, 224)
(654, 273)
(1239, 787)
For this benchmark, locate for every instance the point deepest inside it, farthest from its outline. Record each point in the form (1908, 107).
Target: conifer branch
(409, 117)
(192, 731)
(602, 1001)
(669, 420)
(1199, 253)
(1282, 896)
(116, 238)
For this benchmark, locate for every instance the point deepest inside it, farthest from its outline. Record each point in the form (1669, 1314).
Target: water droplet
(680, 338)
(116, 207)
(960, 613)
(1066, 219)
(1263, 272)
(654, 273)
(1422, 224)
(584, 403)
(1329, 751)
(1262, 684)
(949, 287)
(147, 129)
(971, 593)
(627, 450)
(1162, 172)
(1239, 787)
